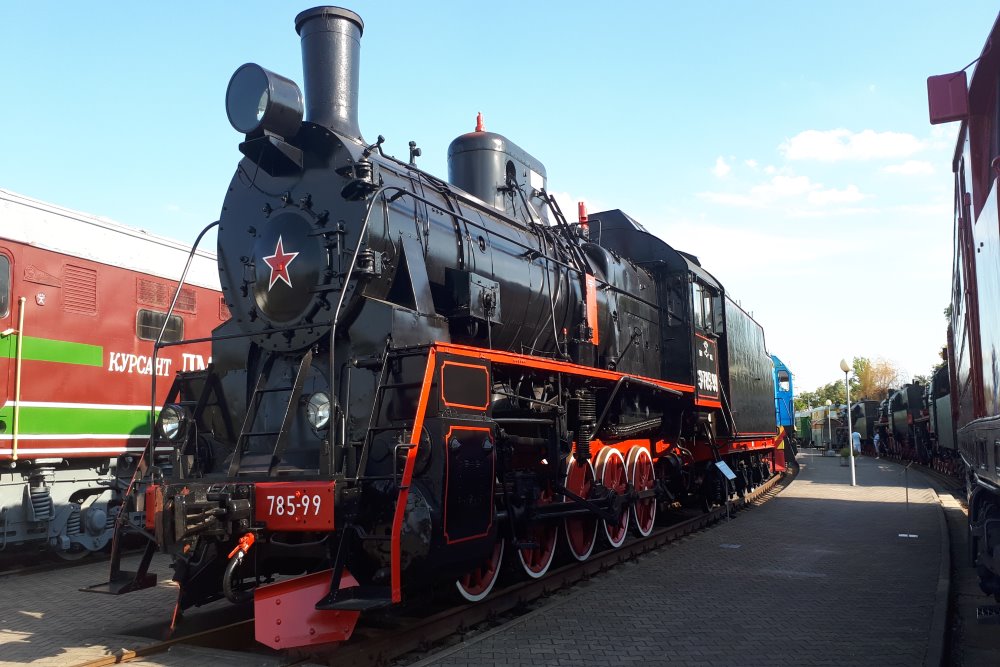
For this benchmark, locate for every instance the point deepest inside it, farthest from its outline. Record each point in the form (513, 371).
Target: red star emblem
(279, 262)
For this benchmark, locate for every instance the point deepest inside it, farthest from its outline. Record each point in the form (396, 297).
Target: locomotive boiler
(423, 379)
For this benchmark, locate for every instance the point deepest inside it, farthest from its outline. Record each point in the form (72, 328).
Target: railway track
(380, 640)
(16, 566)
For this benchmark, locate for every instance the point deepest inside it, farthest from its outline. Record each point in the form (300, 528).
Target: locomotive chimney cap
(337, 12)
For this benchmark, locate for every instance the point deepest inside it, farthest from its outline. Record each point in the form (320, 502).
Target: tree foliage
(870, 380)
(876, 378)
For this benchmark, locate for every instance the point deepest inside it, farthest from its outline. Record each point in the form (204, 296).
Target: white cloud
(944, 136)
(786, 187)
(836, 212)
(751, 163)
(910, 168)
(729, 199)
(843, 144)
(848, 195)
(721, 169)
(770, 169)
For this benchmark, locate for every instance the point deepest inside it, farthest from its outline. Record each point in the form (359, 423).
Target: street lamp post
(850, 430)
(829, 424)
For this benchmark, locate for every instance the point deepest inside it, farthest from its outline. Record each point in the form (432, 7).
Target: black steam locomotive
(421, 379)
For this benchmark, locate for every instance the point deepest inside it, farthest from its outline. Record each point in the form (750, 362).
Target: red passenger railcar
(81, 301)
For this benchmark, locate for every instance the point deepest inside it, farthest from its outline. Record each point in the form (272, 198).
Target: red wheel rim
(611, 470)
(643, 478)
(581, 532)
(536, 560)
(477, 583)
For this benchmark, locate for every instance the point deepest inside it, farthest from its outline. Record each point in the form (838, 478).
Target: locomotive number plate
(294, 505)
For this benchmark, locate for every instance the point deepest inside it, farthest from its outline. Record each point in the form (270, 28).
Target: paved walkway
(45, 620)
(817, 576)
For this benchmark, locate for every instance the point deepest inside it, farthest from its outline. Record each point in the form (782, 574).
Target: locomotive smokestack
(331, 47)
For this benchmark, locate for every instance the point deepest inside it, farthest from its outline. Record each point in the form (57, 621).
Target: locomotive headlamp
(173, 421)
(260, 100)
(318, 410)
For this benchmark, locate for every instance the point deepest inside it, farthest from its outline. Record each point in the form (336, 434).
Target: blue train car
(784, 408)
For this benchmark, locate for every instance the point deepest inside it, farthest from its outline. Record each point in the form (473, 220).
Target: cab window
(783, 381)
(698, 304)
(704, 304)
(4, 285)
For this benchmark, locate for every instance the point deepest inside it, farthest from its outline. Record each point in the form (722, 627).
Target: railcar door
(707, 325)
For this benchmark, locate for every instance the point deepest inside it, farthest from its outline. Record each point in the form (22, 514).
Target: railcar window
(4, 285)
(149, 322)
(783, 381)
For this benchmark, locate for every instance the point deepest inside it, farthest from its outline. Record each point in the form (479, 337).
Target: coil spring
(73, 523)
(41, 503)
(109, 523)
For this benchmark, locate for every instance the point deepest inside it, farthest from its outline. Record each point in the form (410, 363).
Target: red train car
(81, 301)
(974, 331)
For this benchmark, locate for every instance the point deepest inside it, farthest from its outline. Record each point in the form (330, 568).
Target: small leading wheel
(581, 530)
(610, 470)
(640, 472)
(477, 583)
(535, 560)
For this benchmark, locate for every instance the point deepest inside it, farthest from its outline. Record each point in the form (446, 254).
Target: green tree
(869, 380)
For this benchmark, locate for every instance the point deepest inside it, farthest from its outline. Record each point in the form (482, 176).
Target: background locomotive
(974, 332)
(424, 378)
(81, 300)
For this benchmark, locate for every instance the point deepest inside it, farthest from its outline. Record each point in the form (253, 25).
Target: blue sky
(784, 143)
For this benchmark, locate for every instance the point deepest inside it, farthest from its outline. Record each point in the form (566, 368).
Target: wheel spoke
(581, 531)
(479, 581)
(643, 477)
(535, 561)
(612, 473)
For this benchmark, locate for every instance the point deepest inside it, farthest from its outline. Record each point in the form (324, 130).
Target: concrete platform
(817, 576)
